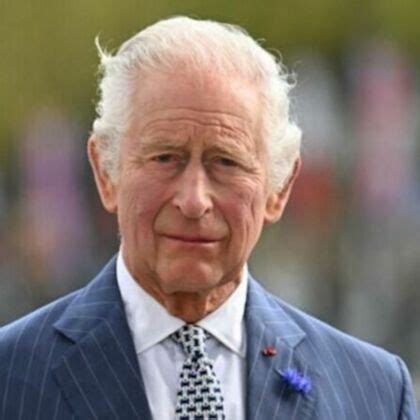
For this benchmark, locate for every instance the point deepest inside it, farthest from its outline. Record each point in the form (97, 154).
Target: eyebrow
(244, 155)
(231, 149)
(149, 145)
(153, 145)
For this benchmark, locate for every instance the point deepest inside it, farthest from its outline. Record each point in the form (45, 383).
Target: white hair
(200, 43)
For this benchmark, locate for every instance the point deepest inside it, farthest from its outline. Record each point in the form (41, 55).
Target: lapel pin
(269, 351)
(296, 381)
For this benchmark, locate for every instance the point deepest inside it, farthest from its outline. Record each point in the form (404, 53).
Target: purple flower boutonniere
(296, 381)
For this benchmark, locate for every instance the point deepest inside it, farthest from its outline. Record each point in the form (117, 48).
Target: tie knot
(191, 338)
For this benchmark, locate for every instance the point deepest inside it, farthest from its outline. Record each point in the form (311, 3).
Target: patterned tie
(199, 396)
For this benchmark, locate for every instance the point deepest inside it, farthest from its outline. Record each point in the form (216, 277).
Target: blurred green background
(348, 248)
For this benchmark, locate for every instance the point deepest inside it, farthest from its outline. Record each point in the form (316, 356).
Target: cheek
(245, 210)
(139, 202)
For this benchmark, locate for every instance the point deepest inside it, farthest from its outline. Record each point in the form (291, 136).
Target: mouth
(191, 239)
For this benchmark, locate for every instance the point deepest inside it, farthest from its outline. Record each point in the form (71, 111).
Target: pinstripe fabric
(350, 379)
(74, 359)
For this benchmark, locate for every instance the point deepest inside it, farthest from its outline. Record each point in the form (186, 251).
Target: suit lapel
(99, 374)
(268, 325)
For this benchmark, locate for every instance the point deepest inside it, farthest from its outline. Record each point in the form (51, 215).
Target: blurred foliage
(48, 56)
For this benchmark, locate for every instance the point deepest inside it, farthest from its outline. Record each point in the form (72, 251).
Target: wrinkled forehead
(227, 98)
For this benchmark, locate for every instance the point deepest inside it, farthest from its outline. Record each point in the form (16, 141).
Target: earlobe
(277, 200)
(106, 188)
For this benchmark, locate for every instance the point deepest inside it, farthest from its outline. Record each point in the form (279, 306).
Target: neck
(192, 307)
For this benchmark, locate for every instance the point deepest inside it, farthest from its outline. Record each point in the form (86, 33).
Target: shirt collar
(226, 323)
(143, 313)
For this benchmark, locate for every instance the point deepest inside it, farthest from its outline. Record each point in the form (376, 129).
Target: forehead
(203, 101)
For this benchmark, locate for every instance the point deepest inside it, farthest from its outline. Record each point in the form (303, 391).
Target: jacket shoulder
(320, 333)
(33, 333)
(354, 366)
(326, 338)
(33, 346)
(37, 327)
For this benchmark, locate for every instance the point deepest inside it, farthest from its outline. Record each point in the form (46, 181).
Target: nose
(193, 192)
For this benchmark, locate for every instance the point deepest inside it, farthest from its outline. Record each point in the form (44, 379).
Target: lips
(191, 238)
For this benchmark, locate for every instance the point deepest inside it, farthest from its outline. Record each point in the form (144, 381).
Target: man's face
(192, 195)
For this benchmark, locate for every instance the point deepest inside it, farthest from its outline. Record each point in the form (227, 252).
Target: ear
(106, 188)
(277, 200)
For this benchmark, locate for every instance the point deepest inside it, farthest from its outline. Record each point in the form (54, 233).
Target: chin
(189, 278)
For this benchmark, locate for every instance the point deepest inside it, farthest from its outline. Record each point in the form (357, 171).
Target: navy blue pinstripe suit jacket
(75, 359)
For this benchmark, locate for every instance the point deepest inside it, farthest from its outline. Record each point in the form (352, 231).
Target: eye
(224, 161)
(165, 158)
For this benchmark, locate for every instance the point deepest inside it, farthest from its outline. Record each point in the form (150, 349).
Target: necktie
(199, 395)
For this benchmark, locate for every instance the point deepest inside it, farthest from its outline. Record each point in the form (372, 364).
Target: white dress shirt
(161, 358)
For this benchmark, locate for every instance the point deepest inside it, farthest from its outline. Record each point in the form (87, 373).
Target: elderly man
(194, 151)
